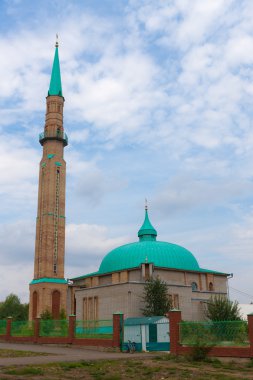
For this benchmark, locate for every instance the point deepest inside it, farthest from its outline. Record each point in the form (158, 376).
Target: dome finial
(147, 231)
(57, 40)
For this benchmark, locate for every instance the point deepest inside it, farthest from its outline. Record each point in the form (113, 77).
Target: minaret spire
(55, 87)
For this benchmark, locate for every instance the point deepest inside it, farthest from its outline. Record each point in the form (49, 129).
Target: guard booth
(148, 333)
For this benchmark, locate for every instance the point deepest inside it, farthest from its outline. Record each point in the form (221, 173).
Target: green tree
(220, 308)
(12, 307)
(155, 297)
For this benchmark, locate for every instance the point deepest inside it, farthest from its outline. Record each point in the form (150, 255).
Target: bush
(220, 308)
(200, 350)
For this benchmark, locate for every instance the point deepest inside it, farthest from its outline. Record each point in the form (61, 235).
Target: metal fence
(94, 329)
(3, 325)
(222, 333)
(22, 328)
(54, 328)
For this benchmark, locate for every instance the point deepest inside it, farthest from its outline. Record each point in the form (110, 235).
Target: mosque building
(118, 284)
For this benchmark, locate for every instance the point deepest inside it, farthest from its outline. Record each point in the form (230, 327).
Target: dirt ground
(160, 367)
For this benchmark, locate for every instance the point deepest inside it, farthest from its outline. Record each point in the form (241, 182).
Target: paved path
(60, 354)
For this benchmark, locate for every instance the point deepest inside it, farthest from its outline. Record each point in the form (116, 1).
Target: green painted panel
(47, 279)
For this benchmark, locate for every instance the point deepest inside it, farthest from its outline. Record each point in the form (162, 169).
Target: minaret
(48, 290)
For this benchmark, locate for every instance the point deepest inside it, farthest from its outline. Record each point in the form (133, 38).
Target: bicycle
(131, 347)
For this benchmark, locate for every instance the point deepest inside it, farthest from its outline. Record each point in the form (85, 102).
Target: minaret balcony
(58, 135)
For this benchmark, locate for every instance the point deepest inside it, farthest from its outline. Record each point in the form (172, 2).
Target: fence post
(175, 319)
(118, 329)
(72, 327)
(8, 328)
(36, 330)
(250, 325)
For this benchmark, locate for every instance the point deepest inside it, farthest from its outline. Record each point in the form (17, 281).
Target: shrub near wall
(222, 333)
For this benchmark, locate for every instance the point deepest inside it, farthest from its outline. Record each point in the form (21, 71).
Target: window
(90, 308)
(210, 287)
(174, 300)
(35, 305)
(194, 286)
(56, 301)
(85, 309)
(146, 271)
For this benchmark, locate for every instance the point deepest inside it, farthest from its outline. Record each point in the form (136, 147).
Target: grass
(4, 353)
(159, 367)
(25, 371)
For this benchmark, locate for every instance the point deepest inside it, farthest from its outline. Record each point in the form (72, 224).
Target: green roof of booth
(148, 250)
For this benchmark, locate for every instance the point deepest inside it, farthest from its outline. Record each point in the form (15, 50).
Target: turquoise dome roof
(148, 250)
(161, 254)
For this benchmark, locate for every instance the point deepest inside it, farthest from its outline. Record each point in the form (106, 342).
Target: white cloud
(158, 101)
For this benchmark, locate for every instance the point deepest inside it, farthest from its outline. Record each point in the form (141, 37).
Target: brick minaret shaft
(48, 289)
(50, 227)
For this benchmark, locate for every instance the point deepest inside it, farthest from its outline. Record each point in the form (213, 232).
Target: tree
(46, 315)
(12, 307)
(220, 308)
(156, 297)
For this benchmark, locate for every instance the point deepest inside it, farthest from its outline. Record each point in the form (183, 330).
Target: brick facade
(123, 291)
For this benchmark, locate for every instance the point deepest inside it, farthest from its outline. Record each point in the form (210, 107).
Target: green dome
(148, 250)
(161, 254)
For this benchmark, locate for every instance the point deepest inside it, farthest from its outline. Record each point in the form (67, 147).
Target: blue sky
(158, 106)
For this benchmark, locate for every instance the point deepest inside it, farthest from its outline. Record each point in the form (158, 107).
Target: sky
(158, 105)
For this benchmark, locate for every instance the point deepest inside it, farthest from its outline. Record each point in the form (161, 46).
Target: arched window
(210, 286)
(56, 299)
(194, 286)
(35, 305)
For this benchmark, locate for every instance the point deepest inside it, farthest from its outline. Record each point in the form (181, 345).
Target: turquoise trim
(85, 275)
(58, 163)
(50, 280)
(50, 155)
